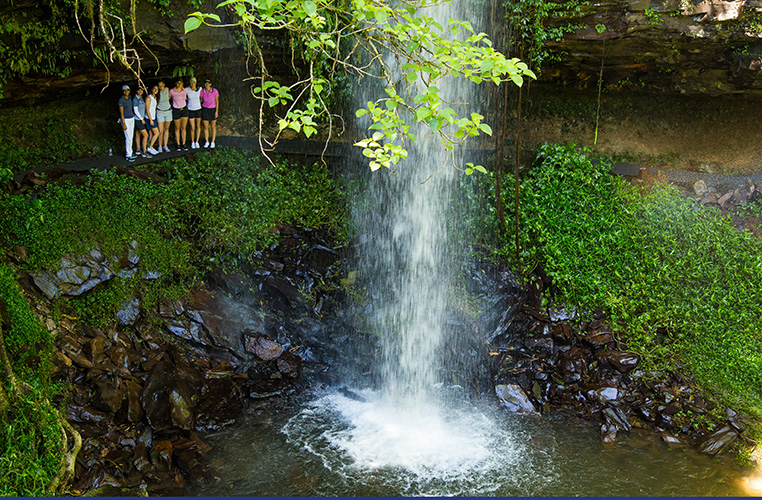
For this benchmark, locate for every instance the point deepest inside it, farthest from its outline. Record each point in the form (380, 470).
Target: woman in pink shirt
(210, 103)
(179, 98)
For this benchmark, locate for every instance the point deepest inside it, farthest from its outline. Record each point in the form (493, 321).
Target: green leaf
(192, 23)
(310, 8)
(273, 101)
(361, 112)
(485, 128)
(411, 77)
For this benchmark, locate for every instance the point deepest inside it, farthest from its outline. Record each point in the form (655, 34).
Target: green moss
(29, 432)
(679, 281)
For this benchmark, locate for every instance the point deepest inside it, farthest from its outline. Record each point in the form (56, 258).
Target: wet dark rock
(616, 417)
(350, 394)
(170, 308)
(220, 403)
(719, 441)
(562, 333)
(600, 338)
(608, 433)
(670, 439)
(560, 313)
(188, 329)
(84, 415)
(111, 392)
(514, 398)
(263, 347)
(574, 363)
(289, 364)
(621, 361)
(134, 409)
(283, 289)
(169, 396)
(161, 454)
(319, 259)
(735, 421)
(129, 312)
(604, 395)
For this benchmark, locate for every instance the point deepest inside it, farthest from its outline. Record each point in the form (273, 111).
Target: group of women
(148, 118)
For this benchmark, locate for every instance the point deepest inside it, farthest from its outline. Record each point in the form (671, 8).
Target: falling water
(414, 420)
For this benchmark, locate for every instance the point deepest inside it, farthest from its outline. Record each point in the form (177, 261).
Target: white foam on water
(428, 450)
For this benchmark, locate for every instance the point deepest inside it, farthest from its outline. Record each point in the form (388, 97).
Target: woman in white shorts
(194, 112)
(163, 116)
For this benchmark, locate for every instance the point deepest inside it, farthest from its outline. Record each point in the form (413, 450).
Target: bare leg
(206, 130)
(214, 130)
(197, 137)
(154, 136)
(177, 132)
(192, 122)
(183, 128)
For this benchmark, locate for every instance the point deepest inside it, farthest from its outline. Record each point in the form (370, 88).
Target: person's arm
(148, 109)
(121, 113)
(217, 105)
(136, 111)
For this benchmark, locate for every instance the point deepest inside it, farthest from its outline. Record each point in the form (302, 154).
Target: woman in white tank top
(194, 112)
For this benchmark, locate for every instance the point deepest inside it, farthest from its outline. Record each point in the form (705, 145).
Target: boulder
(514, 399)
(718, 441)
(263, 347)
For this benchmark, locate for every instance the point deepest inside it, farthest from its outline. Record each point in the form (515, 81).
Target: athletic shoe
(195, 145)
(130, 158)
(211, 145)
(147, 155)
(138, 153)
(206, 144)
(185, 147)
(166, 149)
(153, 151)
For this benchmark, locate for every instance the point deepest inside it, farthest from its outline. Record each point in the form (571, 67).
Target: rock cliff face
(683, 46)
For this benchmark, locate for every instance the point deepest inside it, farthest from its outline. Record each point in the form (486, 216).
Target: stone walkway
(345, 149)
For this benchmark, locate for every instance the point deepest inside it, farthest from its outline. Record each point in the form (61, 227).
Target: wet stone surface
(560, 363)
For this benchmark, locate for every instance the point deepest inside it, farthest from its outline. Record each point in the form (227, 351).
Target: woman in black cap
(210, 109)
(127, 120)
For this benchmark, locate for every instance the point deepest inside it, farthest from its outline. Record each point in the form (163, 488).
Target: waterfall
(413, 420)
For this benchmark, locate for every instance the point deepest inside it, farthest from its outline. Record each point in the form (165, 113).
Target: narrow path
(343, 150)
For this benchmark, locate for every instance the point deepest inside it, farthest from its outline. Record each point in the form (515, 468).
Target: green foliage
(231, 202)
(30, 42)
(29, 433)
(653, 18)
(35, 137)
(27, 341)
(29, 446)
(220, 209)
(679, 281)
(531, 27)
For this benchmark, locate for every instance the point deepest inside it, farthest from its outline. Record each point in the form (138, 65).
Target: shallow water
(337, 446)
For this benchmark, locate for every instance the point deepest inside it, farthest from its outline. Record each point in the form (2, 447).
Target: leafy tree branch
(397, 45)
